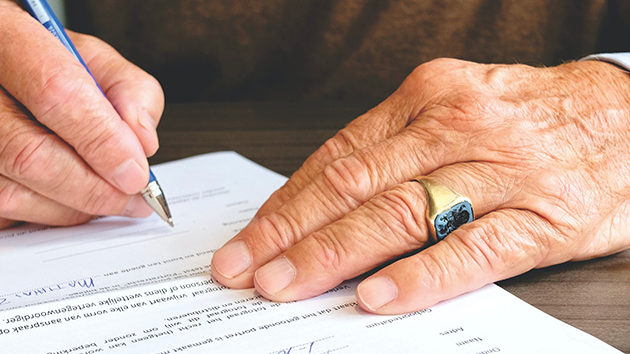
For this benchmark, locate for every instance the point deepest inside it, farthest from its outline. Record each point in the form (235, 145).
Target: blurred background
(352, 50)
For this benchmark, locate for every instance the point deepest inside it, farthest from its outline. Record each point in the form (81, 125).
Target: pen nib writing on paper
(154, 196)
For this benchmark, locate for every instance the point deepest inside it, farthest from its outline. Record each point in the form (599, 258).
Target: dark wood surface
(593, 295)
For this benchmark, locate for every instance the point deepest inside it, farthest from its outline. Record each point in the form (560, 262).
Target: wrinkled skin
(67, 153)
(543, 154)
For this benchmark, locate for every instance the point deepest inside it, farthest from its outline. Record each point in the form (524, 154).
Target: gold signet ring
(447, 210)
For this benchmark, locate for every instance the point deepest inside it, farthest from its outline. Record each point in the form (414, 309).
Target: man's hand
(543, 154)
(67, 152)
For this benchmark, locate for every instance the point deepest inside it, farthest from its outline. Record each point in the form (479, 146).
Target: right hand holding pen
(67, 153)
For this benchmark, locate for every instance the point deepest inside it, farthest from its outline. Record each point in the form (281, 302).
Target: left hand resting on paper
(543, 154)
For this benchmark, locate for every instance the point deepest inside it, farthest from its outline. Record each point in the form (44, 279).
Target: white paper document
(211, 198)
(118, 285)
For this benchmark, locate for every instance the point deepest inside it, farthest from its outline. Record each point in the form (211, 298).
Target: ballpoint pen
(152, 193)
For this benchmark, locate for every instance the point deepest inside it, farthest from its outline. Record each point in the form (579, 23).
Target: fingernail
(129, 177)
(148, 125)
(275, 275)
(232, 259)
(137, 207)
(377, 292)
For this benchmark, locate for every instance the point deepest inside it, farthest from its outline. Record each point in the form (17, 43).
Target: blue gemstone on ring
(449, 220)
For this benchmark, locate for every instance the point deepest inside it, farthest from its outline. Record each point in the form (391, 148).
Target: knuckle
(499, 75)
(29, 155)
(430, 68)
(503, 242)
(327, 252)
(529, 236)
(349, 179)
(339, 145)
(478, 245)
(444, 62)
(496, 74)
(58, 91)
(278, 231)
(406, 214)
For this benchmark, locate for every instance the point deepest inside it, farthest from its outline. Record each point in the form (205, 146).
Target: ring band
(447, 210)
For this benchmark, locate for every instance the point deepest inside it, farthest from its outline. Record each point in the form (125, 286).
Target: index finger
(42, 74)
(136, 95)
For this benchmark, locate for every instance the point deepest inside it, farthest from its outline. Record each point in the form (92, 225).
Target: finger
(342, 187)
(38, 160)
(40, 73)
(20, 203)
(390, 224)
(136, 95)
(500, 245)
(378, 124)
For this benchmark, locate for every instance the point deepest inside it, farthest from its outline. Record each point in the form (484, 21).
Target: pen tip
(170, 222)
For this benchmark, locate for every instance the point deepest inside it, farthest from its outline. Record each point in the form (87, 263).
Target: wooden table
(593, 296)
